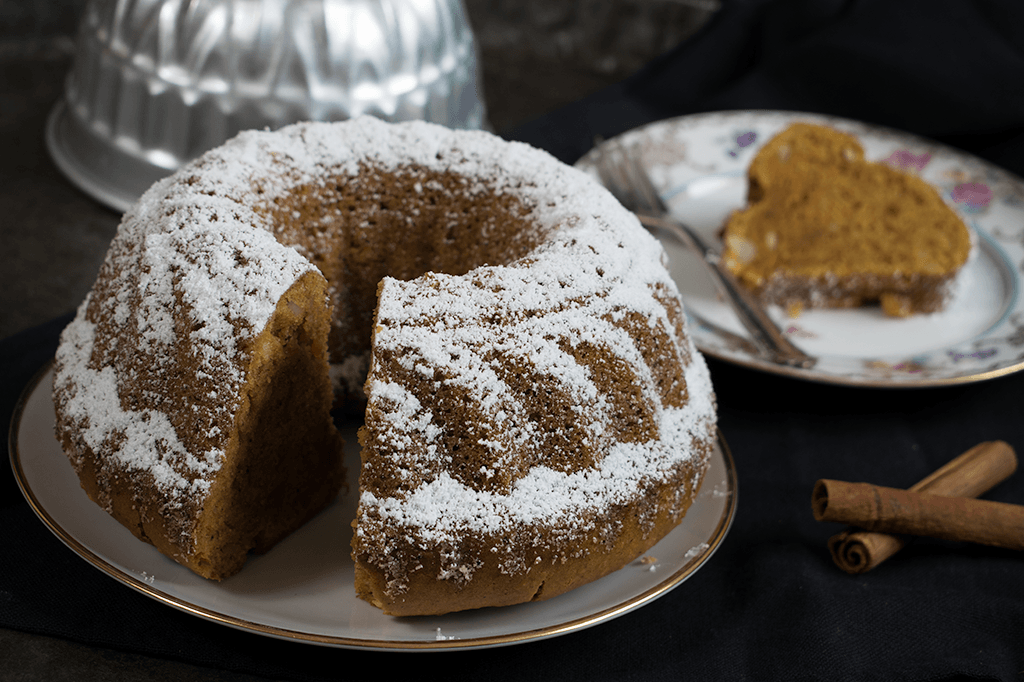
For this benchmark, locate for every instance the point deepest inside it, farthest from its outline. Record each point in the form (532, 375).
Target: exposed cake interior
(285, 432)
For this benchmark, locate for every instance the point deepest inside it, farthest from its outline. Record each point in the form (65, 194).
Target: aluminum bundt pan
(155, 83)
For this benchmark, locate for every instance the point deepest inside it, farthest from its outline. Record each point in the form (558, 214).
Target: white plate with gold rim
(699, 163)
(302, 590)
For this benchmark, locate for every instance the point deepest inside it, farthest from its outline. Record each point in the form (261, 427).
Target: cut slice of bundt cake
(825, 228)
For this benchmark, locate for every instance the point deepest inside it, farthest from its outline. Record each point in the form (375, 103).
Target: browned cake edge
(898, 295)
(622, 534)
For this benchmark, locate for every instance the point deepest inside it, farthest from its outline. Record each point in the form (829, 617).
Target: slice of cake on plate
(825, 228)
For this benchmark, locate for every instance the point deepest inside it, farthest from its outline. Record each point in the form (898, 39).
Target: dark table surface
(770, 604)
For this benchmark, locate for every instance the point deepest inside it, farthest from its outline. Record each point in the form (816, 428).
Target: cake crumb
(696, 551)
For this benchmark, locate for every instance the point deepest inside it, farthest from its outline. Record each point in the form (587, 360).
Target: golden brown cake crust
(826, 228)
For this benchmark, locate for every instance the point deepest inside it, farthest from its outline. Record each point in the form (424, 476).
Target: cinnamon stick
(969, 475)
(891, 510)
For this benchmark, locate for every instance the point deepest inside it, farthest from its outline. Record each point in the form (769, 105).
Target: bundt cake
(825, 228)
(536, 415)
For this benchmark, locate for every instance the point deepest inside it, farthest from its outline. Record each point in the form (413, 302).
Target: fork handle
(750, 312)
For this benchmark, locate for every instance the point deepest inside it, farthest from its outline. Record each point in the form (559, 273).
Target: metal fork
(627, 179)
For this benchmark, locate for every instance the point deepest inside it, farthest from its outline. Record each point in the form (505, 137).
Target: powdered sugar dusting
(444, 508)
(148, 441)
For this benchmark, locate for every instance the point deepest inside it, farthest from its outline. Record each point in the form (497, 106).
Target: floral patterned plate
(699, 165)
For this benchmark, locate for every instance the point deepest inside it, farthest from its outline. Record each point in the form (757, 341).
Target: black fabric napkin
(951, 70)
(770, 604)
